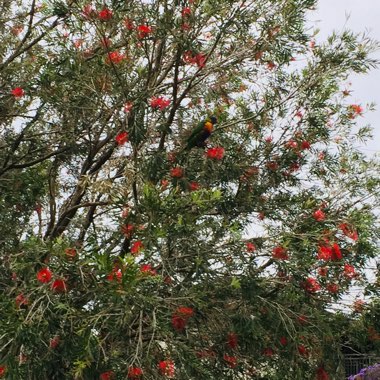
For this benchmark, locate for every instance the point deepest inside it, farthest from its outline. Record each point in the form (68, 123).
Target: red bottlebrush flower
(268, 352)
(127, 230)
(3, 370)
(272, 165)
(250, 247)
(159, 102)
(305, 145)
(105, 14)
(128, 107)
(348, 231)
(231, 361)
(324, 253)
(70, 253)
(21, 300)
(137, 246)
(164, 184)
(114, 57)
(299, 114)
(283, 341)
(322, 271)
(200, 60)
(178, 322)
(336, 253)
(271, 65)
(216, 153)
(319, 215)
(176, 172)
(144, 31)
(291, 144)
(332, 288)
(303, 351)
(322, 374)
(349, 271)
(186, 11)
(134, 372)
(279, 253)
(356, 110)
(44, 275)
(54, 342)
(185, 312)
(108, 375)
(148, 270)
(166, 368)
(188, 57)
(232, 340)
(121, 138)
(87, 11)
(18, 92)
(311, 285)
(194, 186)
(115, 275)
(128, 23)
(59, 286)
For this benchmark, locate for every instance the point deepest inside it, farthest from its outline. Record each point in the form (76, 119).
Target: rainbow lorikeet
(201, 133)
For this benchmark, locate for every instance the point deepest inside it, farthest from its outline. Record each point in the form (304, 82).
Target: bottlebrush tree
(126, 252)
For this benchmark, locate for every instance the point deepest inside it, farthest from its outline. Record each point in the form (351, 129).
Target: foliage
(128, 253)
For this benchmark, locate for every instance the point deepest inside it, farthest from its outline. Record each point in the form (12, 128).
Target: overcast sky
(359, 16)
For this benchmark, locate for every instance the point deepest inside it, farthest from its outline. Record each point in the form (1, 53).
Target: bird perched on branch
(201, 133)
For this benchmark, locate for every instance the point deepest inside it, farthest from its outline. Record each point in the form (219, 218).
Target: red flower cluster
(194, 59)
(127, 230)
(348, 231)
(231, 361)
(194, 186)
(115, 275)
(332, 288)
(181, 317)
(322, 374)
(105, 14)
(166, 368)
(148, 270)
(319, 215)
(21, 300)
(159, 102)
(176, 172)
(134, 372)
(59, 286)
(137, 246)
(44, 275)
(283, 341)
(355, 110)
(279, 253)
(144, 31)
(18, 92)
(114, 57)
(186, 11)
(328, 253)
(108, 375)
(268, 352)
(303, 351)
(3, 370)
(311, 285)
(121, 138)
(232, 340)
(216, 153)
(70, 253)
(349, 271)
(250, 247)
(54, 342)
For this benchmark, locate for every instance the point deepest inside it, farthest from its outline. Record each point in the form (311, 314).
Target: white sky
(358, 16)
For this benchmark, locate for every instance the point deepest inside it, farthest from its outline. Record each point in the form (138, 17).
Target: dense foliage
(130, 250)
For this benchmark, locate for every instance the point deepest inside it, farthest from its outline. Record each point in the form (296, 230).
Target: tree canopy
(132, 247)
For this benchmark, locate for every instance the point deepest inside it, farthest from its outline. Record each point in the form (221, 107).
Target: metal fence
(354, 363)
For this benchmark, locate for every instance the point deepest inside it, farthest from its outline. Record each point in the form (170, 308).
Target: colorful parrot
(201, 133)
